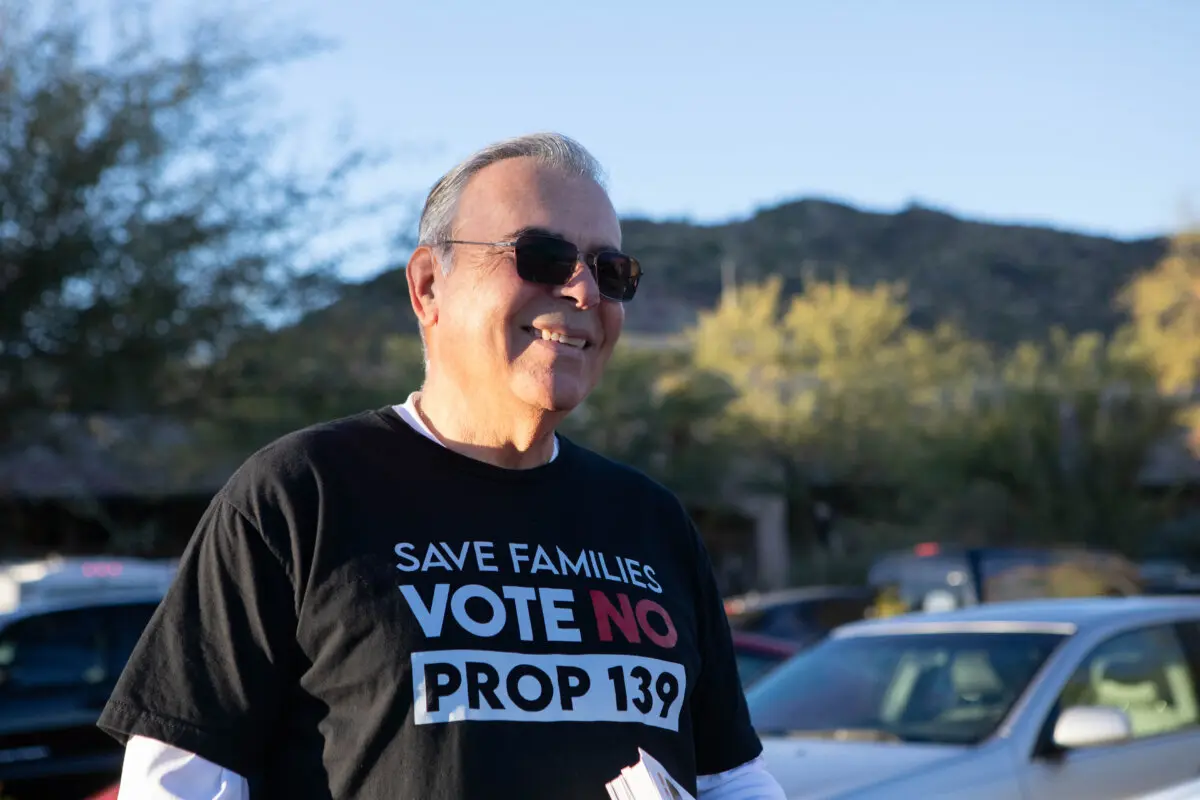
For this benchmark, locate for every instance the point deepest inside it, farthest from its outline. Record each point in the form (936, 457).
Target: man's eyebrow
(533, 230)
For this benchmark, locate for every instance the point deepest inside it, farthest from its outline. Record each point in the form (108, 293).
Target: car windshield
(751, 666)
(945, 688)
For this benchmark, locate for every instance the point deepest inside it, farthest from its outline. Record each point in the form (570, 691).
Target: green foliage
(1052, 449)
(792, 394)
(1047, 441)
(656, 412)
(146, 219)
(1164, 304)
(151, 232)
(269, 386)
(825, 379)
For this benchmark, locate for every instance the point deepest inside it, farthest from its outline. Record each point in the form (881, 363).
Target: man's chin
(552, 397)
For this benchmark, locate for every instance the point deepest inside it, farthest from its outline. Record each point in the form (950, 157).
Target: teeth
(558, 337)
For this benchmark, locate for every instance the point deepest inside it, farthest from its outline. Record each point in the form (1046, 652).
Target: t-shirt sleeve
(724, 737)
(210, 672)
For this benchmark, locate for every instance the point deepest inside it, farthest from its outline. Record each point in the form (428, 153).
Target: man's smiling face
(544, 346)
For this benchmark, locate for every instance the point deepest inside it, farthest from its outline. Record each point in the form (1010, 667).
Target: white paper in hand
(646, 780)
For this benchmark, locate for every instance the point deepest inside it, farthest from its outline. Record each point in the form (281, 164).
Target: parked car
(1029, 700)
(58, 578)
(757, 655)
(1189, 790)
(803, 615)
(1169, 576)
(59, 662)
(937, 577)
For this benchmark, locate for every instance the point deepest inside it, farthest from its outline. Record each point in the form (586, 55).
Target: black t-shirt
(363, 613)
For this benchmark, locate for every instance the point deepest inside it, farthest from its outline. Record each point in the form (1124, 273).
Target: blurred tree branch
(151, 221)
(146, 222)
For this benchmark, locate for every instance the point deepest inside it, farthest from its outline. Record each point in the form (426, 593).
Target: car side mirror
(1091, 726)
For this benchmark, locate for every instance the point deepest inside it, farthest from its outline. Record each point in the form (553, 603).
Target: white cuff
(750, 781)
(156, 771)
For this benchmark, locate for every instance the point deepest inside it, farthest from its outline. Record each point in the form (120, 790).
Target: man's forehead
(510, 198)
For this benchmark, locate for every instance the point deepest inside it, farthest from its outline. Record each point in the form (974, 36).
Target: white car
(1183, 791)
(57, 578)
(1091, 698)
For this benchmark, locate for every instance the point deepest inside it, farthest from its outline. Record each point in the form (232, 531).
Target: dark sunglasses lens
(617, 275)
(541, 259)
(546, 260)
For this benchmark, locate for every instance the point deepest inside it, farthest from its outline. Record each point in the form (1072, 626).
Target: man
(443, 600)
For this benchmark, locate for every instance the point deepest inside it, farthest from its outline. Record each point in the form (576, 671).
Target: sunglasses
(552, 261)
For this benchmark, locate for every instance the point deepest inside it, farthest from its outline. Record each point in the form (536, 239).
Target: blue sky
(1078, 113)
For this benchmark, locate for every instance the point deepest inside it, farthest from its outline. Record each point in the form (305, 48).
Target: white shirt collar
(407, 411)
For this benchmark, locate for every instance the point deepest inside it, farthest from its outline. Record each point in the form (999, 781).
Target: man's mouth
(577, 342)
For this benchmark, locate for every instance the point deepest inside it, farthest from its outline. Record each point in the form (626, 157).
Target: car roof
(757, 600)
(763, 644)
(108, 599)
(46, 579)
(1065, 615)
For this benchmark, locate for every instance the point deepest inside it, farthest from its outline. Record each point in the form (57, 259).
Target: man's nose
(582, 287)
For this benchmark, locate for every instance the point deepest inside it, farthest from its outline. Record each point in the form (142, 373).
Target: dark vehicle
(932, 577)
(1187, 586)
(803, 615)
(757, 655)
(59, 662)
(1169, 576)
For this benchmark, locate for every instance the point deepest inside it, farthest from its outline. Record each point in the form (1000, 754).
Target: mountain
(1002, 283)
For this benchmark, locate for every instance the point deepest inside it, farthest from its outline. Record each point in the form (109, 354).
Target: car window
(1144, 673)
(58, 650)
(752, 666)
(951, 688)
(1190, 634)
(923, 590)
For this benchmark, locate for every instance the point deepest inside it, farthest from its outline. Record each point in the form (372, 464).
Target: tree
(1057, 438)
(149, 222)
(275, 383)
(1164, 306)
(654, 411)
(830, 381)
(146, 219)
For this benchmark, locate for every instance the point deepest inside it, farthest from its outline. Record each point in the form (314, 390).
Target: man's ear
(423, 273)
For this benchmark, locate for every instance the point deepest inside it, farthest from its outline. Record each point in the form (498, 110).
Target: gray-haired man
(443, 599)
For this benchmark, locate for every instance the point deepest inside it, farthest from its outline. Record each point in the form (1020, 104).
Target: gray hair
(551, 149)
